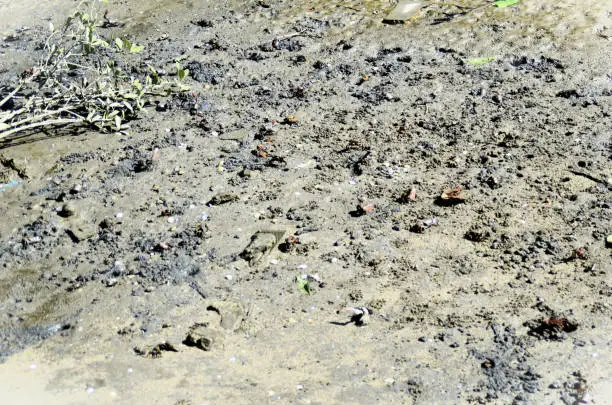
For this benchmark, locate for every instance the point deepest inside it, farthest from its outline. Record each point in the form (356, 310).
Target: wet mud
(339, 210)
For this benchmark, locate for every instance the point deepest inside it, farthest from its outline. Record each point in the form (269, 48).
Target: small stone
(249, 173)
(118, 268)
(223, 198)
(203, 337)
(609, 241)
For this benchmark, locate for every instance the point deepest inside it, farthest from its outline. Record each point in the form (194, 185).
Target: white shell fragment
(404, 10)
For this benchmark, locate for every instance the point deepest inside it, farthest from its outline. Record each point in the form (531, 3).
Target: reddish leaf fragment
(368, 207)
(292, 240)
(563, 323)
(553, 328)
(451, 196)
(289, 245)
(261, 151)
(412, 194)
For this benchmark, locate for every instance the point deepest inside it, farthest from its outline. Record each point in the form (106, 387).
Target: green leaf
(128, 106)
(136, 48)
(97, 41)
(505, 3)
(304, 285)
(480, 61)
(119, 43)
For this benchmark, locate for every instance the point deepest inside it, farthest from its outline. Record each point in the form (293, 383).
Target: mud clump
(507, 366)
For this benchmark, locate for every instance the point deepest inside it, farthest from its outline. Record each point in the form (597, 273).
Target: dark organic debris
(362, 209)
(67, 210)
(360, 316)
(553, 328)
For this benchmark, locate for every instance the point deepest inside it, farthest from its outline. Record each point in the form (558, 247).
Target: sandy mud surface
(340, 210)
